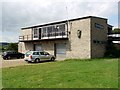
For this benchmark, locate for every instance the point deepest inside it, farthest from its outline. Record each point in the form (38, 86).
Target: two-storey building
(84, 37)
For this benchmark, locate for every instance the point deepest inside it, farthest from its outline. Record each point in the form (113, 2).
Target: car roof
(9, 51)
(37, 51)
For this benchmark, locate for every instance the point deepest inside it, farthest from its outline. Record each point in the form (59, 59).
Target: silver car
(37, 56)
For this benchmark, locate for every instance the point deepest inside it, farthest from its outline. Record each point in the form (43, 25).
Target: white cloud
(21, 13)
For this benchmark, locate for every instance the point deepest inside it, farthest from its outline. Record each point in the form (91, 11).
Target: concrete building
(84, 37)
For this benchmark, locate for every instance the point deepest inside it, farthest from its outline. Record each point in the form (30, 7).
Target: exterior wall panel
(27, 33)
(80, 47)
(24, 47)
(99, 34)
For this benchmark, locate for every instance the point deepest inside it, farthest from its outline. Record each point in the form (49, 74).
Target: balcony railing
(53, 35)
(114, 37)
(26, 37)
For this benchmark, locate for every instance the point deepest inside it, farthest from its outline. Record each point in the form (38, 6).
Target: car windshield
(7, 52)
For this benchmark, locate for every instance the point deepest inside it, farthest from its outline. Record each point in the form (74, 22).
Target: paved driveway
(11, 63)
(16, 62)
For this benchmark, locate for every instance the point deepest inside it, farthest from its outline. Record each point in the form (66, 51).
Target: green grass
(96, 73)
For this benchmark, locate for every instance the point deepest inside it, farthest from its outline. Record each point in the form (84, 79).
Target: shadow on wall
(47, 45)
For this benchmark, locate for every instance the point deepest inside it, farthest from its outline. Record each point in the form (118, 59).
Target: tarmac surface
(12, 62)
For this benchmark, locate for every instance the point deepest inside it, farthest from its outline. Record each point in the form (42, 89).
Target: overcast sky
(16, 14)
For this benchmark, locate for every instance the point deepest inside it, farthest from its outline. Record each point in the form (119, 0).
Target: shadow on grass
(42, 62)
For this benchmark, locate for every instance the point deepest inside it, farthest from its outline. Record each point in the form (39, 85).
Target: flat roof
(64, 21)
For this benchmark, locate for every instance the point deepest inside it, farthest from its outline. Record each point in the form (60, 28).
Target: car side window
(9, 52)
(46, 53)
(42, 53)
(35, 53)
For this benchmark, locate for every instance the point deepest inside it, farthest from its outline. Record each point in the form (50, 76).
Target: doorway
(60, 50)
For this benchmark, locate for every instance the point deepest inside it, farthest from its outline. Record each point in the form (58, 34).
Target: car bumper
(28, 59)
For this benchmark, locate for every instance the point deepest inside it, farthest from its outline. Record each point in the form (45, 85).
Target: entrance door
(37, 47)
(39, 33)
(60, 51)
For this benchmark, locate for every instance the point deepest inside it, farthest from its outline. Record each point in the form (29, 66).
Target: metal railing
(26, 37)
(54, 34)
(62, 34)
(114, 37)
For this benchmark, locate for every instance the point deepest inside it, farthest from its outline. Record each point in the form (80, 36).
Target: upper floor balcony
(46, 33)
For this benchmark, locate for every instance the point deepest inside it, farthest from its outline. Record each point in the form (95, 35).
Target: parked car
(12, 54)
(37, 56)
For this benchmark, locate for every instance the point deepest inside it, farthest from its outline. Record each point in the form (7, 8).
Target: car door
(17, 55)
(47, 55)
(42, 56)
(12, 55)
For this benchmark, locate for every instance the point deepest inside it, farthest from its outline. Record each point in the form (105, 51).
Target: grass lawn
(96, 73)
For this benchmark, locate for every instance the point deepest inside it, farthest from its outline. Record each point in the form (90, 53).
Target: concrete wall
(25, 46)
(79, 47)
(46, 46)
(98, 49)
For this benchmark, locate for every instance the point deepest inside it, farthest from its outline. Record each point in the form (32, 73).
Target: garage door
(60, 50)
(37, 47)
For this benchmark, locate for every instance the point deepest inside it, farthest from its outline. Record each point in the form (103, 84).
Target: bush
(112, 51)
(12, 46)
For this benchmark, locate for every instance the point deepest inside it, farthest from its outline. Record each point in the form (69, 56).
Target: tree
(116, 30)
(12, 46)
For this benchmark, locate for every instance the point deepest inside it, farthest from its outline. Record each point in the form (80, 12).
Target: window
(42, 53)
(99, 42)
(53, 30)
(99, 26)
(28, 53)
(46, 53)
(44, 32)
(35, 31)
(62, 27)
(35, 53)
(94, 41)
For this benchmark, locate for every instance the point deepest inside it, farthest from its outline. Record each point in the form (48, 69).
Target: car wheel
(8, 57)
(22, 57)
(4, 58)
(37, 60)
(29, 61)
(52, 59)
(18, 57)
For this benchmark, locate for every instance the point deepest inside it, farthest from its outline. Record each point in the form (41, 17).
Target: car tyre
(18, 57)
(22, 57)
(29, 61)
(52, 59)
(4, 58)
(8, 57)
(37, 60)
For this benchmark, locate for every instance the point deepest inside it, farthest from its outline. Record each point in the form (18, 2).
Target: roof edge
(63, 21)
